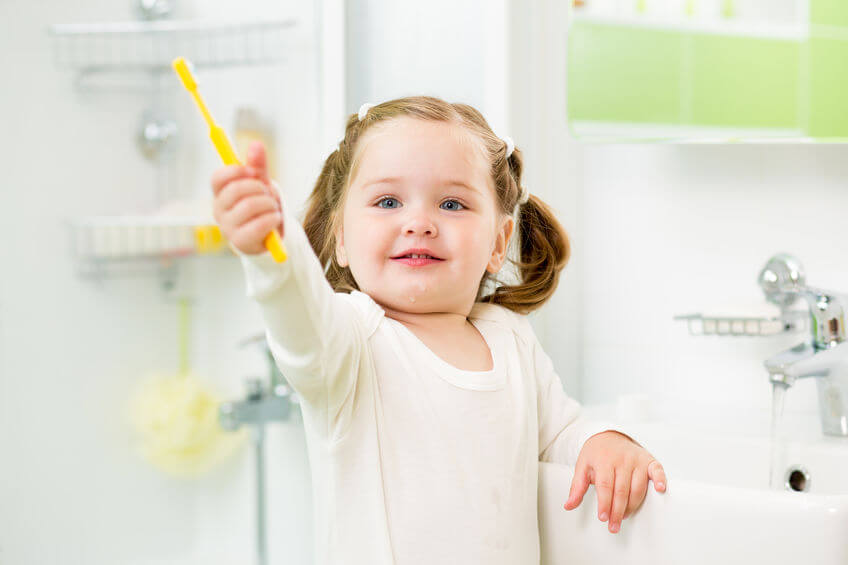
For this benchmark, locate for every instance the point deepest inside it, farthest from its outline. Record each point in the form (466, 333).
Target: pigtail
(543, 251)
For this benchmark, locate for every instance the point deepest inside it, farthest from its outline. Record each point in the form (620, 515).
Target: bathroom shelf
(129, 237)
(790, 322)
(105, 247)
(152, 45)
(791, 31)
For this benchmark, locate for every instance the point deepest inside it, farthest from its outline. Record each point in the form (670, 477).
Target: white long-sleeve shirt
(414, 462)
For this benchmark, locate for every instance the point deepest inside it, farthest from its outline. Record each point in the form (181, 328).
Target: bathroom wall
(679, 229)
(535, 59)
(411, 48)
(661, 230)
(73, 348)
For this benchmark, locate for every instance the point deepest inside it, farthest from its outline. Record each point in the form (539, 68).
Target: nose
(420, 223)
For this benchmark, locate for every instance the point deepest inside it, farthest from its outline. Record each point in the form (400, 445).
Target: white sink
(718, 507)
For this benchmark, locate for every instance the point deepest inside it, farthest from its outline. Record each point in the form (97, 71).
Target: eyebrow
(390, 180)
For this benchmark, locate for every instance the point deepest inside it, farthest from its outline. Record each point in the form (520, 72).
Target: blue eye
(386, 199)
(455, 204)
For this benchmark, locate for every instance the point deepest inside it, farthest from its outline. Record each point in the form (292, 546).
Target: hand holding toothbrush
(222, 145)
(247, 206)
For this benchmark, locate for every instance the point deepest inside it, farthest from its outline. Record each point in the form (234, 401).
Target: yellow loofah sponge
(177, 421)
(176, 418)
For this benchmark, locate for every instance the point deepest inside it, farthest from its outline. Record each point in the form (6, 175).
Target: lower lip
(417, 261)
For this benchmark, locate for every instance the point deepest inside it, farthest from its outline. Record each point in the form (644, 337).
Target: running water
(777, 397)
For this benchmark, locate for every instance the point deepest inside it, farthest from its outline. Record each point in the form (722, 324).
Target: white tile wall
(676, 229)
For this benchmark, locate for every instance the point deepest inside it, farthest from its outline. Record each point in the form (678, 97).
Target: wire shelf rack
(791, 321)
(129, 237)
(129, 246)
(152, 45)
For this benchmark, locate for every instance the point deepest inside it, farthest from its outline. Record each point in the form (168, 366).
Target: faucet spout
(782, 368)
(829, 367)
(806, 361)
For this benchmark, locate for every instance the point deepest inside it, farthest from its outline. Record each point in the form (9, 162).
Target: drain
(797, 479)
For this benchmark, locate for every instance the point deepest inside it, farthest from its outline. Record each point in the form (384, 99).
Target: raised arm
(314, 334)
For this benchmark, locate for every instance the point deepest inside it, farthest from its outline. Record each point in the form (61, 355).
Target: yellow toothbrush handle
(222, 144)
(273, 243)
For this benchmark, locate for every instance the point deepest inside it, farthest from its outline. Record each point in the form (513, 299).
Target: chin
(410, 302)
(399, 301)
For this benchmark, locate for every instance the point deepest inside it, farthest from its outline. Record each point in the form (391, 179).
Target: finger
(579, 486)
(657, 474)
(621, 496)
(638, 490)
(224, 175)
(604, 483)
(237, 190)
(250, 237)
(258, 160)
(248, 208)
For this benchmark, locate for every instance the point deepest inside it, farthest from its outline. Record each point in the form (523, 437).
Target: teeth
(415, 256)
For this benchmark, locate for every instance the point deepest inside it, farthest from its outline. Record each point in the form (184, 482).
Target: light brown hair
(543, 245)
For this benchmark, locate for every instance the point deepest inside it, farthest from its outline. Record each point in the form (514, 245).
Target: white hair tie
(363, 110)
(510, 146)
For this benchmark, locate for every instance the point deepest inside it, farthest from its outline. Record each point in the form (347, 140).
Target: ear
(341, 255)
(502, 237)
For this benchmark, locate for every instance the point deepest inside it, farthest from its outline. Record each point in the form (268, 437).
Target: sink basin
(718, 508)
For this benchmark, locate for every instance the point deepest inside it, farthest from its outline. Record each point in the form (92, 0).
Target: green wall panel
(829, 12)
(745, 81)
(644, 75)
(622, 74)
(828, 115)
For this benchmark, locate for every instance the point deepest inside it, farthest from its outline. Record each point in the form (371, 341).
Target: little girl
(428, 402)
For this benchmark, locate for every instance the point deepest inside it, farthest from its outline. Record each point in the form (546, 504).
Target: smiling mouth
(416, 260)
(416, 256)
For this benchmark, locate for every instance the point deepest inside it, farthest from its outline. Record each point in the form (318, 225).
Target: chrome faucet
(825, 355)
(260, 407)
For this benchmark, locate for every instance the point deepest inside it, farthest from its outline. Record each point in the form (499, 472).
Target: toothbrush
(222, 144)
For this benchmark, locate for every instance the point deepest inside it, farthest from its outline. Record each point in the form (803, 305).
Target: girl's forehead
(406, 146)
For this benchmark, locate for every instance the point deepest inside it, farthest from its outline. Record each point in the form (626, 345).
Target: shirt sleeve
(562, 429)
(314, 334)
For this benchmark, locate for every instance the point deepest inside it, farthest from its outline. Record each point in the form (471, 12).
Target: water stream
(777, 398)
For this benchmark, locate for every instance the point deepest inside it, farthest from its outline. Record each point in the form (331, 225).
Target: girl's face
(421, 185)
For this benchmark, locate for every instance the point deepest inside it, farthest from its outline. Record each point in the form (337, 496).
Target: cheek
(366, 242)
(481, 239)
(475, 247)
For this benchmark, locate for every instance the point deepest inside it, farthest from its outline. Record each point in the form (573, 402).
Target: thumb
(579, 486)
(258, 160)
